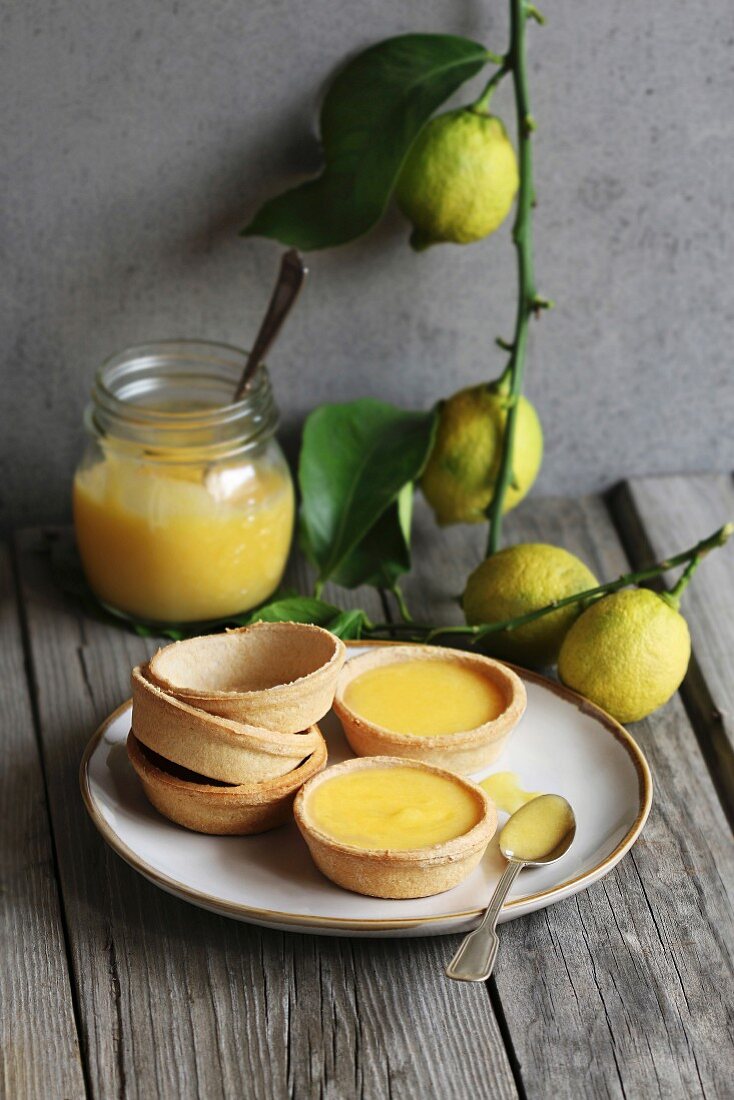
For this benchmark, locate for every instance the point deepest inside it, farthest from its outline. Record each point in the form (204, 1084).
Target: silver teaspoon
(290, 280)
(537, 834)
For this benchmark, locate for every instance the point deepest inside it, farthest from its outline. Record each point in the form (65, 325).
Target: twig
(691, 558)
(528, 302)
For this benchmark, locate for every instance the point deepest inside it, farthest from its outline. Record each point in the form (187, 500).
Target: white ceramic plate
(563, 744)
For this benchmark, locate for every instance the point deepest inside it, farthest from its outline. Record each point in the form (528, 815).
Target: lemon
(459, 478)
(521, 579)
(628, 653)
(459, 179)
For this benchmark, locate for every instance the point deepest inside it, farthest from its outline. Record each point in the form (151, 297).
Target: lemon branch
(691, 558)
(528, 302)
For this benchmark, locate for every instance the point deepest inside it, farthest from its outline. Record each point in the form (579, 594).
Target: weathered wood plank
(625, 989)
(175, 1002)
(39, 1050)
(658, 517)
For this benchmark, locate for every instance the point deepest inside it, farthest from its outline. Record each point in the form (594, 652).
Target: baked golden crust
(219, 748)
(466, 752)
(280, 676)
(396, 873)
(208, 806)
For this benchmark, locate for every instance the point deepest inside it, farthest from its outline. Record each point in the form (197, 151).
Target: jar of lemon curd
(183, 501)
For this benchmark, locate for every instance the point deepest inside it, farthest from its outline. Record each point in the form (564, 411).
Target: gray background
(140, 136)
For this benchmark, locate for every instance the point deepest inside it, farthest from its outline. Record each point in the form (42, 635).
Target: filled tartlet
(390, 827)
(432, 704)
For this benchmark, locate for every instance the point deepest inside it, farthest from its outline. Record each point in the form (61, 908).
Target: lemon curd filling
(505, 791)
(174, 543)
(393, 808)
(537, 828)
(425, 698)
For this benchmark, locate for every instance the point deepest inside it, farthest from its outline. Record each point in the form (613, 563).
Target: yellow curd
(425, 698)
(537, 827)
(393, 808)
(505, 791)
(182, 543)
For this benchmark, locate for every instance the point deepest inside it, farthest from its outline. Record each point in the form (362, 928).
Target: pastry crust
(466, 752)
(212, 807)
(396, 873)
(219, 748)
(280, 676)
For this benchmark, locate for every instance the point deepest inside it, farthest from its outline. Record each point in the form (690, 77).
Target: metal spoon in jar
(221, 482)
(537, 834)
(290, 280)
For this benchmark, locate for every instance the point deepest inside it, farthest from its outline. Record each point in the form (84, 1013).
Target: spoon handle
(290, 279)
(474, 961)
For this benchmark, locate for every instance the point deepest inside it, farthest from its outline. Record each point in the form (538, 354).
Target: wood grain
(39, 1050)
(624, 990)
(658, 517)
(176, 1002)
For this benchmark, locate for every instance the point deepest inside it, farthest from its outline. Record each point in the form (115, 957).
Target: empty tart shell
(396, 873)
(466, 752)
(281, 676)
(208, 806)
(219, 748)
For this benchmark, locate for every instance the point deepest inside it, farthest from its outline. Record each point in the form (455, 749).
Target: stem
(699, 553)
(402, 605)
(481, 105)
(522, 236)
(691, 558)
(675, 593)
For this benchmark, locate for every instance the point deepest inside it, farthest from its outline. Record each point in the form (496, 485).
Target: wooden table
(111, 988)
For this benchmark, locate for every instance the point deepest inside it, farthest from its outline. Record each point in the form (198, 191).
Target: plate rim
(275, 917)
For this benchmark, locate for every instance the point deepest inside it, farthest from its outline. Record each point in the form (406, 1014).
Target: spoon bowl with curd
(537, 834)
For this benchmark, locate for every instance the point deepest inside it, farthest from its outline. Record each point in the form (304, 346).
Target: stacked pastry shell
(224, 727)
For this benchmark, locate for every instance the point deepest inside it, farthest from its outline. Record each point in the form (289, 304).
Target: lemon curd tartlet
(432, 704)
(394, 828)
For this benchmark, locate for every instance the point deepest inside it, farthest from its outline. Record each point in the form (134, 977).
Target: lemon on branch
(459, 179)
(628, 652)
(460, 475)
(521, 579)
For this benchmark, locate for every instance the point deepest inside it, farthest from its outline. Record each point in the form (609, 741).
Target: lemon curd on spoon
(537, 828)
(425, 698)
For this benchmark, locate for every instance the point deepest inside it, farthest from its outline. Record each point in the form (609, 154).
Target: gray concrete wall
(140, 136)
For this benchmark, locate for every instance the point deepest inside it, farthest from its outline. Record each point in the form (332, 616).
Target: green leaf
(372, 114)
(383, 555)
(295, 609)
(349, 624)
(356, 461)
(308, 609)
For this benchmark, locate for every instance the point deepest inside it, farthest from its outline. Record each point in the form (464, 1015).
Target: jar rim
(121, 408)
(137, 352)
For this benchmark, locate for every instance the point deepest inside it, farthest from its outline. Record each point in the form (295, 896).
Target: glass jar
(183, 501)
